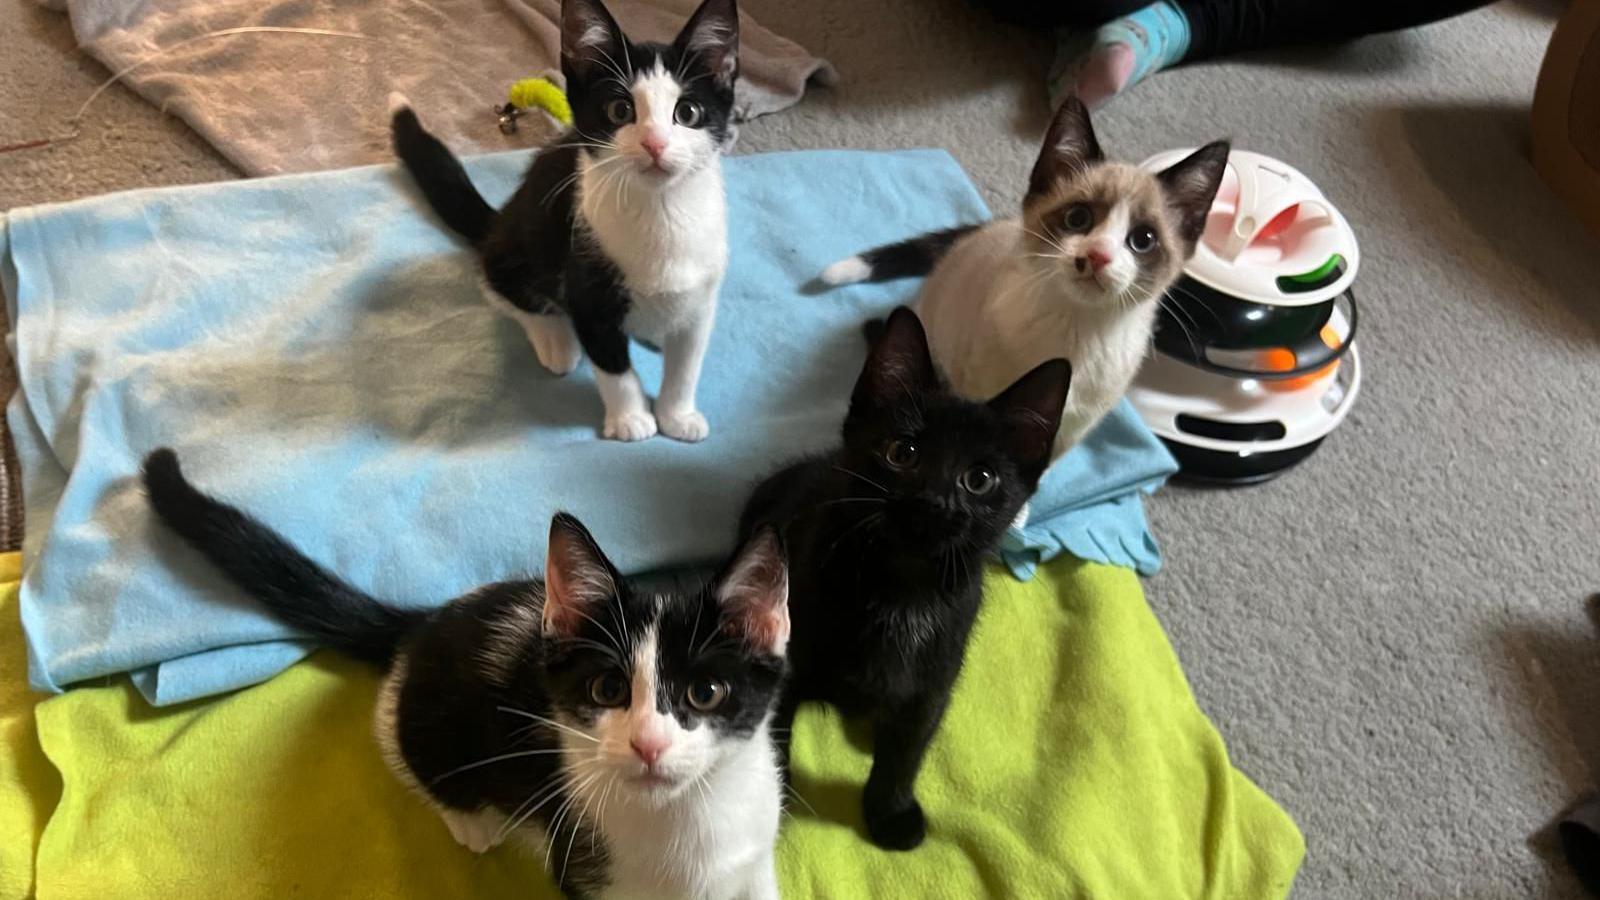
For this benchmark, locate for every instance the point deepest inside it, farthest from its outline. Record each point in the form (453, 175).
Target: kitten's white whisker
(877, 516)
(573, 793)
(615, 641)
(543, 794)
(573, 839)
(493, 759)
(547, 721)
(789, 789)
(1194, 345)
(856, 474)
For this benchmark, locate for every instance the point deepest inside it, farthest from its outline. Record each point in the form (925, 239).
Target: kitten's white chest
(670, 244)
(714, 842)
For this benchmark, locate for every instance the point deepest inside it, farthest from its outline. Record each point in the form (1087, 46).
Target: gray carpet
(1393, 639)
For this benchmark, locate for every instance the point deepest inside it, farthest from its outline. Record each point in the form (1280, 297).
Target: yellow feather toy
(542, 93)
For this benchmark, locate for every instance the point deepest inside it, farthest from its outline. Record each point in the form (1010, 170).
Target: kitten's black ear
(577, 577)
(898, 365)
(590, 38)
(1032, 407)
(1069, 146)
(712, 33)
(1191, 184)
(754, 592)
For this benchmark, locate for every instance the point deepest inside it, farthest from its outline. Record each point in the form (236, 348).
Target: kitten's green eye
(609, 689)
(1079, 217)
(1142, 239)
(706, 694)
(687, 113)
(900, 454)
(620, 111)
(979, 480)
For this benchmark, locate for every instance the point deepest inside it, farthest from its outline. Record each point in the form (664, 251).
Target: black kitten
(887, 538)
(623, 734)
(620, 227)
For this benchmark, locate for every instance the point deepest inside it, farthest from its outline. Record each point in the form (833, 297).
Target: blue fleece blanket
(316, 349)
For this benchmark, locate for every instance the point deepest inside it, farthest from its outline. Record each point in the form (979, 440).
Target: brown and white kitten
(1077, 275)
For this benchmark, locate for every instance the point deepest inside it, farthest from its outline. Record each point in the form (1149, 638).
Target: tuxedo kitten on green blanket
(623, 735)
(1077, 275)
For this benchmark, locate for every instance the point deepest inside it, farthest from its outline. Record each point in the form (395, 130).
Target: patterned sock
(1120, 55)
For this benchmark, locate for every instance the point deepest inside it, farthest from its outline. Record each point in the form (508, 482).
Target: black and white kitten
(619, 228)
(887, 540)
(623, 734)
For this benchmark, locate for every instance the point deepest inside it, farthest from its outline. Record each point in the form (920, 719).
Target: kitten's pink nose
(1098, 258)
(654, 143)
(650, 747)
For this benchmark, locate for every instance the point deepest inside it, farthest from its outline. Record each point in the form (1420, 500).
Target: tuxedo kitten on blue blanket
(1077, 275)
(887, 540)
(623, 734)
(619, 228)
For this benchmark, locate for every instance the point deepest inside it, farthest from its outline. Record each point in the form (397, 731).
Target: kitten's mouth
(655, 781)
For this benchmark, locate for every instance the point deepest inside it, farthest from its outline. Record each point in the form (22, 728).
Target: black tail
(913, 257)
(298, 591)
(439, 174)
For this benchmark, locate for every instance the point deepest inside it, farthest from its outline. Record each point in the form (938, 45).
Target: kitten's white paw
(847, 271)
(397, 102)
(476, 831)
(554, 343)
(630, 426)
(683, 425)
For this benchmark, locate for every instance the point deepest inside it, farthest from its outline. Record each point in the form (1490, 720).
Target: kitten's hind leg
(477, 831)
(554, 341)
(551, 334)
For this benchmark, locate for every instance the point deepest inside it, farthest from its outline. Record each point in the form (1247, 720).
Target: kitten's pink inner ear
(587, 29)
(576, 578)
(754, 594)
(713, 32)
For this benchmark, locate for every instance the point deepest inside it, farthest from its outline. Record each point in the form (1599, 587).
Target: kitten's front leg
(477, 831)
(900, 739)
(627, 408)
(683, 353)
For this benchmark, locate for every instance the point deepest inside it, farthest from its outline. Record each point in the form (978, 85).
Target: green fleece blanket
(1073, 763)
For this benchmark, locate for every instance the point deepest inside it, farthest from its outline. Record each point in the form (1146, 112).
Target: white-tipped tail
(397, 102)
(847, 271)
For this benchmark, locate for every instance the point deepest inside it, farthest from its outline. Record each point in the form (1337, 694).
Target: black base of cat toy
(1218, 468)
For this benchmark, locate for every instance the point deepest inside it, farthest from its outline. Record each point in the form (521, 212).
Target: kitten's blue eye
(1142, 239)
(609, 689)
(979, 480)
(1079, 217)
(687, 113)
(900, 454)
(620, 111)
(706, 694)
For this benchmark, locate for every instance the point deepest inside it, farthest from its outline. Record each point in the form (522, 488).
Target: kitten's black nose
(1080, 263)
